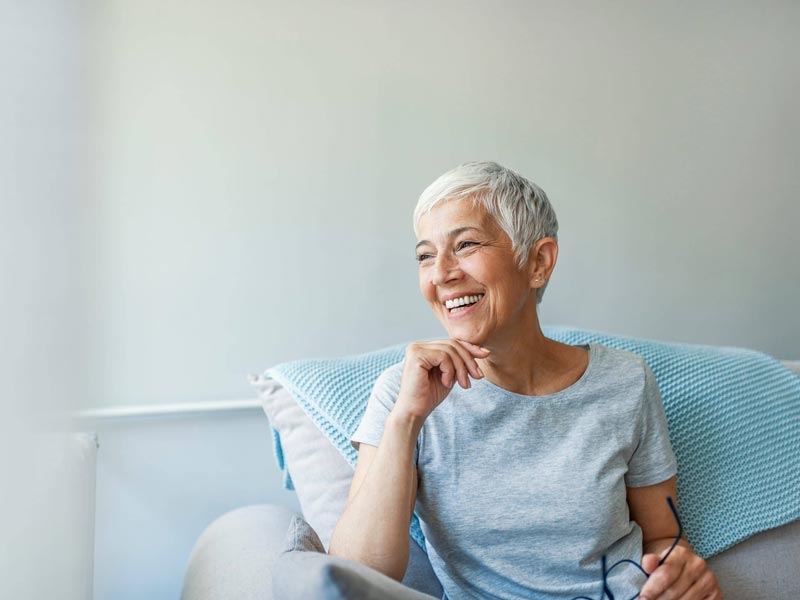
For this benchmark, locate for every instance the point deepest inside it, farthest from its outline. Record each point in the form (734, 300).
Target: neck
(521, 363)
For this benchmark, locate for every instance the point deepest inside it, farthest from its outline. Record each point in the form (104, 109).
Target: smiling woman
(546, 456)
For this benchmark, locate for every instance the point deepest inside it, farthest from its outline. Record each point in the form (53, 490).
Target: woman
(545, 457)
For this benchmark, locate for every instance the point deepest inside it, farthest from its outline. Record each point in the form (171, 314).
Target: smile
(462, 307)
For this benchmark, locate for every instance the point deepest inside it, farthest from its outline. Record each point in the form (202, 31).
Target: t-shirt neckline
(591, 346)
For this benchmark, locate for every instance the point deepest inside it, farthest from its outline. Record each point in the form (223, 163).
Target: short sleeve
(653, 460)
(381, 401)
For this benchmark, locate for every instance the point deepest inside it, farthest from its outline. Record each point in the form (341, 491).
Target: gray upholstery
(766, 565)
(233, 558)
(316, 575)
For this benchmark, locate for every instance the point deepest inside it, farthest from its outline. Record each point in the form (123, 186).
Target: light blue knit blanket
(733, 416)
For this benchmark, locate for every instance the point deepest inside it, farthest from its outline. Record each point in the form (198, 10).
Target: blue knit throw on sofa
(733, 417)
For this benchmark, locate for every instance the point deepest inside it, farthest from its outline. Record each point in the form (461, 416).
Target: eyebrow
(452, 234)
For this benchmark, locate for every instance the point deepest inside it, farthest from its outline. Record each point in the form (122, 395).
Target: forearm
(373, 529)
(658, 546)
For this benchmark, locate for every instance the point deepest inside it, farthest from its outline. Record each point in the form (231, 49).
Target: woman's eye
(465, 244)
(422, 257)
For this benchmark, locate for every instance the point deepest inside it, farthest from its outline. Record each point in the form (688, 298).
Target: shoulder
(390, 378)
(626, 368)
(386, 387)
(617, 358)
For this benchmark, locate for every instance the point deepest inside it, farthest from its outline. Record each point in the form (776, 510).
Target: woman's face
(463, 252)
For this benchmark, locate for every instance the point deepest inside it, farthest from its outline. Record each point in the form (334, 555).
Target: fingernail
(480, 372)
(485, 349)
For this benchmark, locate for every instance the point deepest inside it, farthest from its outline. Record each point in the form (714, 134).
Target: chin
(472, 338)
(456, 332)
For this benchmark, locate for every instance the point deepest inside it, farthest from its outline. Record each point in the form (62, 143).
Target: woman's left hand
(683, 576)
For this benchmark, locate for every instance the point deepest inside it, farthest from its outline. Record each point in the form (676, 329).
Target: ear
(541, 261)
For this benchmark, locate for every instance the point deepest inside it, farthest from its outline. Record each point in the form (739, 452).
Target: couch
(235, 556)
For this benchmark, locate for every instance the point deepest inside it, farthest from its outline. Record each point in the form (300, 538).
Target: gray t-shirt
(520, 496)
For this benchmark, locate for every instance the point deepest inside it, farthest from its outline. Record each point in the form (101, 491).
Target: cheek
(476, 268)
(425, 288)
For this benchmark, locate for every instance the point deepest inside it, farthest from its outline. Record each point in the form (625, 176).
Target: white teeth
(462, 301)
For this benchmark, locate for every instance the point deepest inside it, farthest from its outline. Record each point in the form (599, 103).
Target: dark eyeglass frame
(606, 591)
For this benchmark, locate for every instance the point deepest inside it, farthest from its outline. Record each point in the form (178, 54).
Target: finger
(457, 360)
(666, 582)
(704, 588)
(431, 358)
(469, 360)
(447, 368)
(650, 562)
(694, 568)
(475, 349)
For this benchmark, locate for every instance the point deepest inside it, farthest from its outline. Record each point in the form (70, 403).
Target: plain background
(199, 190)
(194, 191)
(254, 168)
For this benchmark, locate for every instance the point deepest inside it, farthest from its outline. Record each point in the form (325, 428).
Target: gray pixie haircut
(519, 206)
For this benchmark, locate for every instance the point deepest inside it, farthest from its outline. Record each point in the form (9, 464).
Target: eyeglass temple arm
(680, 529)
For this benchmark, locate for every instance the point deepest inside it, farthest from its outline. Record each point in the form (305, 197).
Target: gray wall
(257, 164)
(43, 183)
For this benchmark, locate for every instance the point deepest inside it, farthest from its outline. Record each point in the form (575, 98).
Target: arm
(648, 507)
(373, 529)
(683, 574)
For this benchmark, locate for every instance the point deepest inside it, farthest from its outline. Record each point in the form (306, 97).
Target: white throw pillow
(320, 474)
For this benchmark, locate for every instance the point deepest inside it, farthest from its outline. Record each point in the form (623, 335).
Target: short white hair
(519, 206)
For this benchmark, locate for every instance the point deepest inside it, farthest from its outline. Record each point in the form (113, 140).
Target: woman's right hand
(429, 371)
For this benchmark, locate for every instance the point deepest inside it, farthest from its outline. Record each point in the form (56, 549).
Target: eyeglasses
(606, 590)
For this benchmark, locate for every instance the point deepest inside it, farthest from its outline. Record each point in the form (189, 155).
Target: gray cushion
(301, 537)
(320, 576)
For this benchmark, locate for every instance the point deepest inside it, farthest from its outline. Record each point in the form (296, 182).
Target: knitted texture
(733, 417)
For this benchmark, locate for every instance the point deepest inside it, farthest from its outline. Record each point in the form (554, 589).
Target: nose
(445, 269)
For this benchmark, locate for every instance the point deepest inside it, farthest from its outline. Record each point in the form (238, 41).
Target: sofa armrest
(232, 559)
(762, 566)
